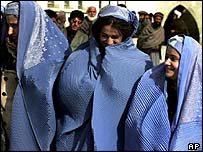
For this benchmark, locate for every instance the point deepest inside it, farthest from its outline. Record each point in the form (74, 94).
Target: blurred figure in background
(178, 26)
(151, 15)
(8, 77)
(61, 20)
(142, 24)
(6, 99)
(52, 14)
(152, 37)
(75, 21)
(122, 5)
(85, 31)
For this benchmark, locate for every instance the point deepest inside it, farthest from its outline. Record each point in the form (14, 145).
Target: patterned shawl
(41, 50)
(147, 119)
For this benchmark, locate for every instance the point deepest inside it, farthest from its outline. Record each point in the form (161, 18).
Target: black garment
(172, 100)
(7, 61)
(4, 136)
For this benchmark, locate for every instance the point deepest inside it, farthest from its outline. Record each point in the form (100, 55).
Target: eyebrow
(115, 35)
(171, 55)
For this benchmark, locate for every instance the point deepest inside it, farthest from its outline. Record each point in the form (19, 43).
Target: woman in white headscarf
(166, 112)
(96, 83)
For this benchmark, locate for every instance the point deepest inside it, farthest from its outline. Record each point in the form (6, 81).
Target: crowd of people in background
(90, 87)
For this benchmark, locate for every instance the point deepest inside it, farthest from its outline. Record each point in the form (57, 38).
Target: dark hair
(76, 13)
(3, 27)
(51, 13)
(142, 13)
(151, 15)
(159, 14)
(124, 27)
(122, 5)
(179, 27)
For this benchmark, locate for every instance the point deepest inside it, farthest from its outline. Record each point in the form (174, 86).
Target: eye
(173, 58)
(75, 21)
(13, 25)
(114, 36)
(104, 35)
(166, 57)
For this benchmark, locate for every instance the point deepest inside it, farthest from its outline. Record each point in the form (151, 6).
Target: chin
(92, 18)
(169, 76)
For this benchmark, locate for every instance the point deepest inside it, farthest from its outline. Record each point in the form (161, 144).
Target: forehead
(12, 19)
(172, 51)
(108, 29)
(76, 18)
(158, 17)
(92, 9)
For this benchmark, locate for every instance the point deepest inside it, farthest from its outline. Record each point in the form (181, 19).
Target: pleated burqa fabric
(41, 52)
(92, 95)
(92, 92)
(147, 120)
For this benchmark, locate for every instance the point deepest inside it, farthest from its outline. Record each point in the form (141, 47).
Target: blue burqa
(41, 50)
(147, 120)
(92, 93)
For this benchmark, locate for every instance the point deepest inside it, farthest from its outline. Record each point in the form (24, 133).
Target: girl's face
(172, 61)
(109, 35)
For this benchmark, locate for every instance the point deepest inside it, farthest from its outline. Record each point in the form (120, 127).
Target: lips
(169, 68)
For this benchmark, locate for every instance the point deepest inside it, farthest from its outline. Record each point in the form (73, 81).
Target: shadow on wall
(180, 12)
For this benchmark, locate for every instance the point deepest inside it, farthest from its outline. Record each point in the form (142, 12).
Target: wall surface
(194, 7)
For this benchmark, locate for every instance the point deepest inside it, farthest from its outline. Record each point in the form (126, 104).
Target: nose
(167, 61)
(10, 30)
(110, 41)
(76, 23)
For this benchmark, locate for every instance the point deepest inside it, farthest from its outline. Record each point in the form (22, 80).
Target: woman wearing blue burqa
(96, 83)
(166, 112)
(41, 49)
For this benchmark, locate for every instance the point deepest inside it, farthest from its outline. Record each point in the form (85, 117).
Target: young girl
(166, 113)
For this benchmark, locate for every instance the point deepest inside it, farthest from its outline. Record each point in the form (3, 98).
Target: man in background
(52, 14)
(142, 15)
(151, 38)
(60, 20)
(75, 20)
(84, 32)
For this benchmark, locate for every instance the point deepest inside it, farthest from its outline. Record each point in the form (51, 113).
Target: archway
(186, 16)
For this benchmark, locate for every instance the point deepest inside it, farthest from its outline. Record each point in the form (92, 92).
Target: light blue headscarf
(120, 13)
(177, 43)
(147, 119)
(41, 52)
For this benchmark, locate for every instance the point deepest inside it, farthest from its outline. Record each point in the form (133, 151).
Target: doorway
(182, 13)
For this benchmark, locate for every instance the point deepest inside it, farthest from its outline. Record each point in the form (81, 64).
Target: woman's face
(13, 27)
(172, 61)
(109, 35)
